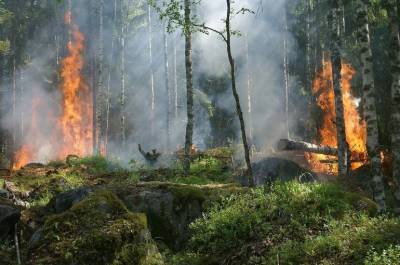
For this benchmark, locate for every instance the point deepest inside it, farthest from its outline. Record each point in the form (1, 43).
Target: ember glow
(356, 131)
(73, 131)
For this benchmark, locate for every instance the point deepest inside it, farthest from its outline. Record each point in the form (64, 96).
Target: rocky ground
(92, 211)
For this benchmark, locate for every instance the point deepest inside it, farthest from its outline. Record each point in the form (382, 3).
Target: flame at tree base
(74, 126)
(356, 130)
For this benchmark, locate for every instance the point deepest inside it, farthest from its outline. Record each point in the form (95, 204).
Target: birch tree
(343, 149)
(370, 114)
(189, 86)
(391, 8)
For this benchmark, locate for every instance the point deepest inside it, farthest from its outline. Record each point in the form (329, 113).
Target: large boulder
(9, 216)
(63, 201)
(170, 208)
(97, 230)
(277, 169)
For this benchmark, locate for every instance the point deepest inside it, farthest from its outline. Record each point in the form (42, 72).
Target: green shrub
(291, 223)
(389, 256)
(98, 165)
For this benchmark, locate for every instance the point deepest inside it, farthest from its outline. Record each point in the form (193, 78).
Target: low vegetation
(151, 216)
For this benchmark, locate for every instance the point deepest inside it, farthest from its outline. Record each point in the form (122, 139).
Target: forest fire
(355, 126)
(73, 131)
(75, 122)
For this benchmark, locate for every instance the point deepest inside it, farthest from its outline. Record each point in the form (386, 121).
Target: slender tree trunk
(343, 149)
(21, 101)
(189, 88)
(123, 96)
(342, 21)
(175, 83)
(395, 96)
(236, 95)
(370, 105)
(286, 73)
(168, 90)
(100, 106)
(308, 44)
(14, 106)
(249, 91)
(153, 96)
(109, 81)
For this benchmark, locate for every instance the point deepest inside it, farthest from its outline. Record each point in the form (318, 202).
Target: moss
(94, 231)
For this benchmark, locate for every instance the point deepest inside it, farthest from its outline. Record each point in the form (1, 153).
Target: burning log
(290, 145)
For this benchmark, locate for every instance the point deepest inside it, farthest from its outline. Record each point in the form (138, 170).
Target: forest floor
(93, 211)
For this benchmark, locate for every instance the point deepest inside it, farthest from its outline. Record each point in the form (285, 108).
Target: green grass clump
(293, 223)
(97, 165)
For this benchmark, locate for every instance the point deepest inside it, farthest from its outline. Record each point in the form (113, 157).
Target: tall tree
(100, 93)
(391, 7)
(123, 72)
(108, 94)
(249, 91)
(226, 35)
(167, 88)
(369, 103)
(343, 149)
(235, 93)
(189, 87)
(286, 71)
(153, 96)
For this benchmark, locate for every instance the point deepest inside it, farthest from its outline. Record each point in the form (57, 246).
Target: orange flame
(76, 121)
(73, 133)
(356, 132)
(22, 157)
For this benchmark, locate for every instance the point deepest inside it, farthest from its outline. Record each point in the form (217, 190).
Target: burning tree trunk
(369, 103)
(189, 87)
(290, 145)
(395, 93)
(336, 73)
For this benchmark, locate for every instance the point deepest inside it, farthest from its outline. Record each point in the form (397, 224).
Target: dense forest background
(292, 34)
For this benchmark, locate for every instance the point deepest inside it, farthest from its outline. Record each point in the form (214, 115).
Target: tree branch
(203, 26)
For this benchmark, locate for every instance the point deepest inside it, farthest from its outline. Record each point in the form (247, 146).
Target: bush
(389, 256)
(291, 223)
(98, 165)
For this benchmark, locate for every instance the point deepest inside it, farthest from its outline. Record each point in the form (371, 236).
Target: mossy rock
(97, 230)
(171, 207)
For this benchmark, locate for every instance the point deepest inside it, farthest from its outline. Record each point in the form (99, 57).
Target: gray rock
(35, 238)
(4, 194)
(66, 200)
(273, 169)
(9, 216)
(168, 216)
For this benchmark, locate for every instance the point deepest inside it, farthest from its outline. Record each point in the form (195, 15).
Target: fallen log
(335, 161)
(290, 145)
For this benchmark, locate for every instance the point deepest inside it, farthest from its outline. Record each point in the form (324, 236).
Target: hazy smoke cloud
(262, 31)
